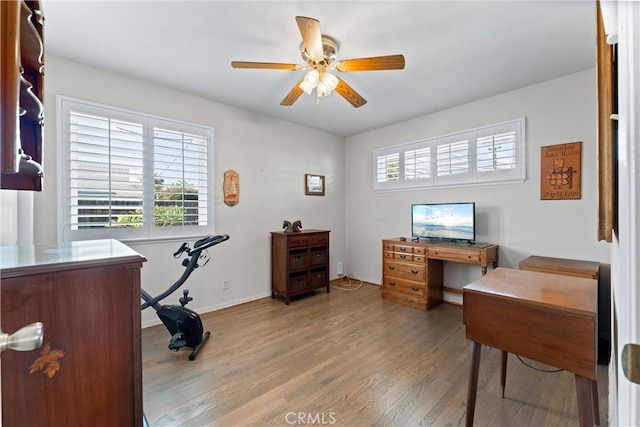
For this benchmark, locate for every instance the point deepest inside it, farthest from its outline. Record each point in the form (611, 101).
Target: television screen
(451, 221)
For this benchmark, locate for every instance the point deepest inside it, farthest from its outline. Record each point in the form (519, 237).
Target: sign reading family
(560, 171)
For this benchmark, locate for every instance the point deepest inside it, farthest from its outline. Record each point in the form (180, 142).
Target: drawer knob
(403, 249)
(392, 283)
(403, 256)
(415, 289)
(392, 267)
(414, 271)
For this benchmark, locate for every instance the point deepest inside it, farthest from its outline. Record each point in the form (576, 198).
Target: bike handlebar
(190, 265)
(209, 241)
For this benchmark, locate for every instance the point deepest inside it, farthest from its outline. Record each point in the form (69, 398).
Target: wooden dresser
(412, 271)
(299, 262)
(89, 368)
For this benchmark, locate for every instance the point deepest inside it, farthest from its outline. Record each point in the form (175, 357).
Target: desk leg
(472, 386)
(584, 392)
(503, 371)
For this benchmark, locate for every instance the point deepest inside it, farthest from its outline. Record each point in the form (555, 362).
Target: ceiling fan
(320, 52)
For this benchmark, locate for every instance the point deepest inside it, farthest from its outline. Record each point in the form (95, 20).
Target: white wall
(510, 215)
(270, 155)
(8, 217)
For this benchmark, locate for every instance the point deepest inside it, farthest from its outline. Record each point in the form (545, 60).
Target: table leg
(584, 392)
(596, 402)
(503, 371)
(472, 386)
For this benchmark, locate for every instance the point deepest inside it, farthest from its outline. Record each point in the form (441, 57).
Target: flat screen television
(445, 221)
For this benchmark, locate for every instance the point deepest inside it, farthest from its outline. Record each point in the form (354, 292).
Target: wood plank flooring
(347, 358)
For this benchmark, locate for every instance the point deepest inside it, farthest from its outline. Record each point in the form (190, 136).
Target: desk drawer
(404, 270)
(403, 249)
(447, 254)
(403, 256)
(404, 287)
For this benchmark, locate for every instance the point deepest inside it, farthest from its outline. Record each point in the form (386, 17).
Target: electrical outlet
(225, 285)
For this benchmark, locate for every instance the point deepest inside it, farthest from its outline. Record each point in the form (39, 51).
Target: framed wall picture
(313, 185)
(561, 171)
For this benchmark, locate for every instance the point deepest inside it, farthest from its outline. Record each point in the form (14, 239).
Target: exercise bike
(184, 324)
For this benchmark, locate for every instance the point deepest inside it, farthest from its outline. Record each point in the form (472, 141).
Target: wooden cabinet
(412, 271)
(299, 262)
(89, 368)
(22, 94)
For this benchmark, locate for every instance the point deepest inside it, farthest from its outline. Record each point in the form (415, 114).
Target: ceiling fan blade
(269, 65)
(349, 94)
(374, 63)
(311, 36)
(293, 95)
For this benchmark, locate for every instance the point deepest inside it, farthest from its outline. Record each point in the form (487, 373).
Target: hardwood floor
(347, 358)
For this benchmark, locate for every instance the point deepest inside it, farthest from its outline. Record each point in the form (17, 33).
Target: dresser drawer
(319, 278)
(319, 239)
(298, 260)
(298, 283)
(404, 270)
(298, 241)
(319, 256)
(454, 255)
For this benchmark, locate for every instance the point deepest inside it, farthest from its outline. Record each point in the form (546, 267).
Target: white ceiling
(455, 52)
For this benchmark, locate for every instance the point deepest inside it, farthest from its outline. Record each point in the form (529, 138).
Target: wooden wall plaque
(231, 188)
(561, 171)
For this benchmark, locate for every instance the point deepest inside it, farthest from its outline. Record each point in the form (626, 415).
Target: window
(489, 154)
(128, 175)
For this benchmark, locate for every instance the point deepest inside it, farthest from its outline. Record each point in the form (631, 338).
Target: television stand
(412, 270)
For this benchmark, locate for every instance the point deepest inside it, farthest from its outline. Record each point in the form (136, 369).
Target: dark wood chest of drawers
(299, 262)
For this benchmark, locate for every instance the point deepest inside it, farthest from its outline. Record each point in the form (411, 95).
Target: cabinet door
(88, 371)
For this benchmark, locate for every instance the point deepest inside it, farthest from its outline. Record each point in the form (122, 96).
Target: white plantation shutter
(180, 176)
(453, 158)
(387, 167)
(105, 169)
(126, 175)
(496, 152)
(500, 152)
(417, 163)
(490, 154)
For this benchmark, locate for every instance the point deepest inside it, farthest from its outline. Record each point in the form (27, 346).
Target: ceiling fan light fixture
(327, 84)
(310, 81)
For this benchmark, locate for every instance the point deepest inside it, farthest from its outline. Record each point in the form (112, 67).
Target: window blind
(129, 175)
(488, 154)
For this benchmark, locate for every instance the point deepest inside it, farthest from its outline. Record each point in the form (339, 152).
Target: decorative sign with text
(560, 171)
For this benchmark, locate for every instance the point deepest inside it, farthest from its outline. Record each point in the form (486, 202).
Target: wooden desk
(412, 271)
(544, 317)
